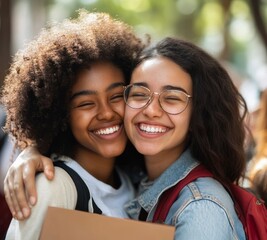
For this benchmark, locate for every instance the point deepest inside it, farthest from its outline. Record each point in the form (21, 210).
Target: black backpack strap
(83, 194)
(3, 135)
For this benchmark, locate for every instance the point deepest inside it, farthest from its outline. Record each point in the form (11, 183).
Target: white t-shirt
(107, 198)
(61, 192)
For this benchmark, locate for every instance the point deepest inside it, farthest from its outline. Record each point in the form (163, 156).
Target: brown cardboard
(71, 224)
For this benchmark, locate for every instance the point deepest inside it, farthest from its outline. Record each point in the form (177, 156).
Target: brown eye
(117, 97)
(84, 105)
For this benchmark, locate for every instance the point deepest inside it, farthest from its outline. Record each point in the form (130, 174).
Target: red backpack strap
(169, 196)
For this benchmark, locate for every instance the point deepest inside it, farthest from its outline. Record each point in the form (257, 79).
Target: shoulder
(206, 188)
(60, 191)
(203, 205)
(205, 219)
(208, 191)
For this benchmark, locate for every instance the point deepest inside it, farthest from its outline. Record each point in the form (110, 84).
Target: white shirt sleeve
(60, 192)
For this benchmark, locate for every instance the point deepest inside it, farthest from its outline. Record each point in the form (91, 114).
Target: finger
(48, 167)
(11, 199)
(8, 199)
(29, 172)
(40, 162)
(20, 194)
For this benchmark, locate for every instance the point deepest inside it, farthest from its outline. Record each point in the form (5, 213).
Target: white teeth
(152, 129)
(106, 131)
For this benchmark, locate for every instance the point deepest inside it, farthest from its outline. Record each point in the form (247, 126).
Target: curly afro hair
(36, 89)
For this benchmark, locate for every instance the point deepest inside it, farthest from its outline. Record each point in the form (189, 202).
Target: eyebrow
(115, 85)
(91, 92)
(82, 93)
(167, 87)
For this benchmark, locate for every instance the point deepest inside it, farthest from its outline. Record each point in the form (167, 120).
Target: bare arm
(19, 184)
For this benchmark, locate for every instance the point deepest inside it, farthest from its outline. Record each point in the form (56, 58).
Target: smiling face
(97, 111)
(155, 133)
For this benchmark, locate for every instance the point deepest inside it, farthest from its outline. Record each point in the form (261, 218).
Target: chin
(112, 153)
(147, 150)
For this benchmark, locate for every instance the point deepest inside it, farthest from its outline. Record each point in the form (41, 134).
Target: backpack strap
(3, 135)
(170, 195)
(83, 194)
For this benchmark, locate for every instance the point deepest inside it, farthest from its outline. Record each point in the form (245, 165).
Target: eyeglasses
(171, 101)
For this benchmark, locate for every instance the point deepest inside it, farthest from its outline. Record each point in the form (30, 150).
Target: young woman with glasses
(182, 109)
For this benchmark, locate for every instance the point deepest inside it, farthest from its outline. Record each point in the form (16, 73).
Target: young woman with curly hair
(64, 94)
(182, 110)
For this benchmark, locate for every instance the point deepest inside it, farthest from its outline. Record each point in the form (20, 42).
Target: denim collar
(172, 175)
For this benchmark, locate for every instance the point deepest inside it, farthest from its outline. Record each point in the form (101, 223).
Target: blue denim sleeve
(204, 220)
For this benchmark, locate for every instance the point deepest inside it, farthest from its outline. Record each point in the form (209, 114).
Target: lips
(152, 129)
(108, 130)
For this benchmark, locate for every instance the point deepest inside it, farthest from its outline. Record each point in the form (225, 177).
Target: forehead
(159, 72)
(98, 77)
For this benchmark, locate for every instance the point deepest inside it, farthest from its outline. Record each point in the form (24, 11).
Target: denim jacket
(203, 211)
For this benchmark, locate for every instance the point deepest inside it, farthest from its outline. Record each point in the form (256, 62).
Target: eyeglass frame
(151, 97)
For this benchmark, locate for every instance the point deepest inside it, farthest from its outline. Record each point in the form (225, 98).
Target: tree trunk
(259, 22)
(5, 39)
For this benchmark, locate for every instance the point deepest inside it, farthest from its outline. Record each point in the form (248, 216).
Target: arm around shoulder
(61, 192)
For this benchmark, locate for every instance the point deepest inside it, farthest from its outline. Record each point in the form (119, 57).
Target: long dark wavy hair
(217, 132)
(36, 89)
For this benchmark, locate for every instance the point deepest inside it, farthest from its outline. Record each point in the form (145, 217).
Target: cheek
(78, 120)
(128, 116)
(182, 122)
(119, 108)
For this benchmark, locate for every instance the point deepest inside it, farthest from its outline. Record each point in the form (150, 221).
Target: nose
(153, 108)
(105, 111)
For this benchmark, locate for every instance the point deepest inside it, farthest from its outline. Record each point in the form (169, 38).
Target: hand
(19, 184)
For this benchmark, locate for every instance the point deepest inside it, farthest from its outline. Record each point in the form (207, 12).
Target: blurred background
(234, 31)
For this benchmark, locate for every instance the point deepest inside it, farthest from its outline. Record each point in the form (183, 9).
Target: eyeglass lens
(171, 101)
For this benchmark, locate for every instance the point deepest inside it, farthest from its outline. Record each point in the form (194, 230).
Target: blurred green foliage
(191, 19)
(222, 27)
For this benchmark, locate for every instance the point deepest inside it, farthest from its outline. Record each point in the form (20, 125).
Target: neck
(98, 166)
(157, 164)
